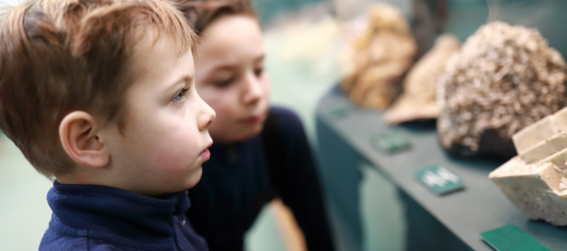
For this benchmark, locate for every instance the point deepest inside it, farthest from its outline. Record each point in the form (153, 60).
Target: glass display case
(481, 206)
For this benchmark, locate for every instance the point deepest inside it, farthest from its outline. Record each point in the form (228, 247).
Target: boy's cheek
(267, 85)
(166, 142)
(176, 155)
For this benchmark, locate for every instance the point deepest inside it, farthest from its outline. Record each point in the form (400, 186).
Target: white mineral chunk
(536, 180)
(545, 139)
(536, 190)
(544, 149)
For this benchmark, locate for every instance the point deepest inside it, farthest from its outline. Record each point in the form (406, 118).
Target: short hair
(201, 13)
(59, 56)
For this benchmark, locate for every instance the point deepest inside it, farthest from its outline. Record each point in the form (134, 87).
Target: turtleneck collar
(113, 214)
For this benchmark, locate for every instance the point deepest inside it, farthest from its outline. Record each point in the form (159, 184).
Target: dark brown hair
(58, 56)
(202, 13)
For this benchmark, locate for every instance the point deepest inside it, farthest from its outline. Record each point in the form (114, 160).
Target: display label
(390, 141)
(440, 180)
(339, 111)
(511, 238)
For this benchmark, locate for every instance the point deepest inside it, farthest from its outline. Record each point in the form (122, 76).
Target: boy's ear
(80, 136)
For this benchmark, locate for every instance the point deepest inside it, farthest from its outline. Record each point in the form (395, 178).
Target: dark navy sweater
(236, 184)
(91, 217)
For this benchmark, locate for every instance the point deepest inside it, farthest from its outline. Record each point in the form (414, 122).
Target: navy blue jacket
(91, 217)
(236, 184)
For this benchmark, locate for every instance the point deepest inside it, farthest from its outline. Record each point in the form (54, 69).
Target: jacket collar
(112, 213)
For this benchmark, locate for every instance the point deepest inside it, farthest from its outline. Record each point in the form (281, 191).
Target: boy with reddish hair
(99, 95)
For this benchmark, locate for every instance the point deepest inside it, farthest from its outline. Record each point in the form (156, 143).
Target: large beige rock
(420, 85)
(536, 180)
(380, 56)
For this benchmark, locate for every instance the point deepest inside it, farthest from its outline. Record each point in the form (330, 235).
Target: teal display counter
(453, 221)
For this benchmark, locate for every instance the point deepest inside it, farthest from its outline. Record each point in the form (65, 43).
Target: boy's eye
(224, 83)
(180, 96)
(258, 72)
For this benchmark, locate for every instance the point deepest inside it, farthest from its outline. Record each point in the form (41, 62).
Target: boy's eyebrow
(226, 66)
(230, 66)
(183, 79)
(260, 58)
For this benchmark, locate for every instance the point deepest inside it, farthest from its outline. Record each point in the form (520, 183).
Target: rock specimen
(418, 101)
(504, 79)
(536, 180)
(380, 56)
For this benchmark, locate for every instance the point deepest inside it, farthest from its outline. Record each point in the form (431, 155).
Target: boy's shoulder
(287, 122)
(60, 239)
(94, 217)
(80, 244)
(284, 136)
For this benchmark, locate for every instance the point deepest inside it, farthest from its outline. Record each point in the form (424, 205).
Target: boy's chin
(194, 179)
(250, 134)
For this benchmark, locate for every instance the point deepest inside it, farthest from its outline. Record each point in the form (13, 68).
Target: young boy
(260, 152)
(99, 95)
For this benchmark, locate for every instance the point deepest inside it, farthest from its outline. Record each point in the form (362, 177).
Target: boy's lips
(253, 119)
(206, 154)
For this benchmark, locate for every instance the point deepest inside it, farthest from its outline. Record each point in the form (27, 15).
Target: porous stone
(503, 79)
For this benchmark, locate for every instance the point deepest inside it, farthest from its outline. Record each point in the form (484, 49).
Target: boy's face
(231, 77)
(166, 136)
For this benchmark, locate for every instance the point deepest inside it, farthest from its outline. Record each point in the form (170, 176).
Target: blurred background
(304, 41)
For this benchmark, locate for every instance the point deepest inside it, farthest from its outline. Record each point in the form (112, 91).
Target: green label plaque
(440, 180)
(511, 238)
(339, 112)
(390, 141)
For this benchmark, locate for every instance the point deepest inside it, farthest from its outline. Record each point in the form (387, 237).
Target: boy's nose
(206, 116)
(254, 89)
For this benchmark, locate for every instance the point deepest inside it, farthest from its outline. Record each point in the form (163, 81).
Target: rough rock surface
(504, 79)
(381, 55)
